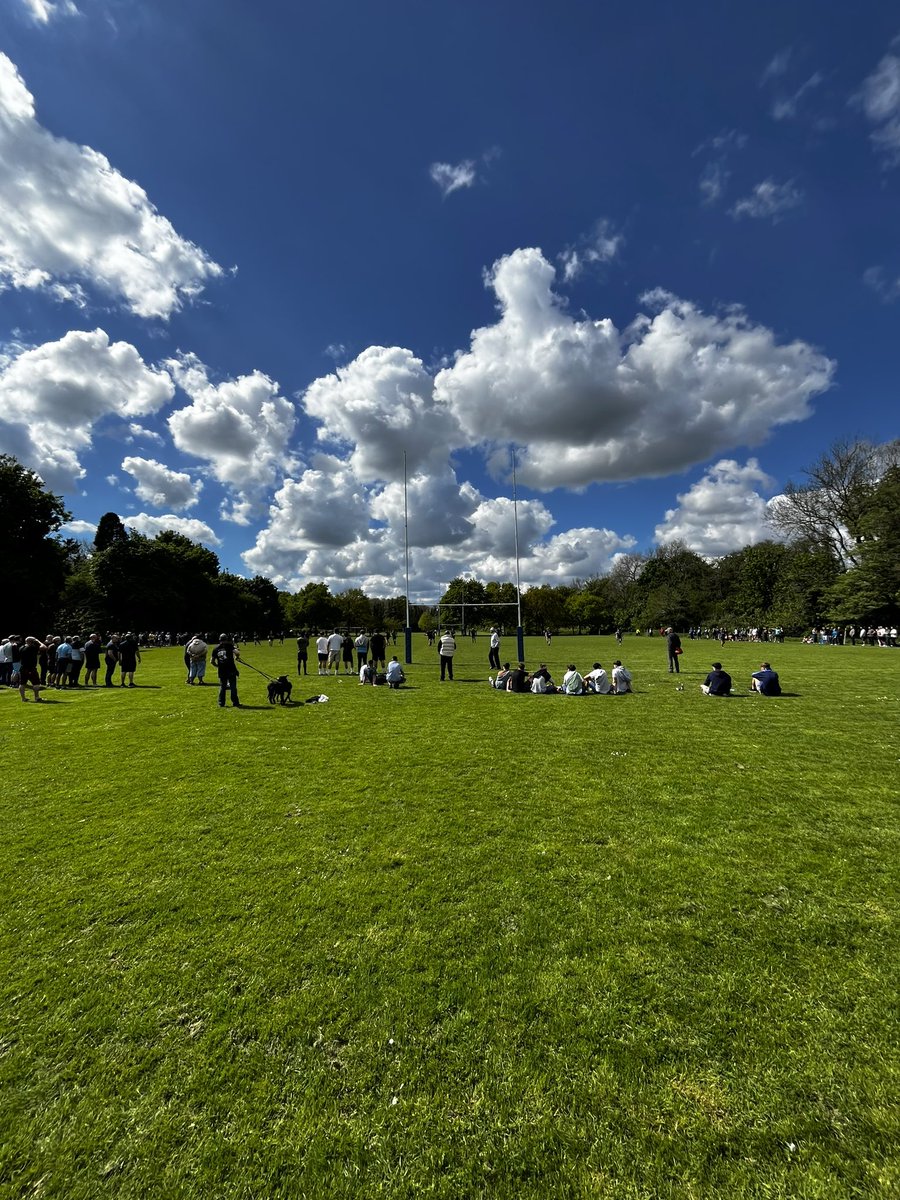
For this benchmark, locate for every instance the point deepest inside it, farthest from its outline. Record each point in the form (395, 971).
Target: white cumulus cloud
(160, 486)
(66, 215)
(588, 403)
(241, 427)
(722, 512)
(190, 527)
(52, 396)
(381, 405)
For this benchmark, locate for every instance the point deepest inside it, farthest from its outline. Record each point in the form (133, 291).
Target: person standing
(111, 658)
(63, 662)
(377, 646)
(361, 646)
(28, 672)
(129, 657)
(302, 653)
(92, 651)
(335, 642)
(76, 662)
(196, 651)
(494, 652)
(673, 645)
(225, 659)
(347, 653)
(322, 652)
(446, 650)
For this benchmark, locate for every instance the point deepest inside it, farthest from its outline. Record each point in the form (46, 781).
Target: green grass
(447, 942)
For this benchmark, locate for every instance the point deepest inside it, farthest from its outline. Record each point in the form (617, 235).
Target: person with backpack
(196, 651)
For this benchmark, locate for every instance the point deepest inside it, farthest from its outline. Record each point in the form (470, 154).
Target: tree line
(835, 559)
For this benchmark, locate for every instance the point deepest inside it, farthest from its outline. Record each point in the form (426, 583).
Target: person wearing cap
(494, 651)
(717, 682)
(765, 681)
(225, 659)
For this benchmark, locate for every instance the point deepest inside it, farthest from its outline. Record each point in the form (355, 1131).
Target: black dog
(280, 690)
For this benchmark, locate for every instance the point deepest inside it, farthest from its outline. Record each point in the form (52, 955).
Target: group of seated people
(393, 675)
(595, 682)
(764, 681)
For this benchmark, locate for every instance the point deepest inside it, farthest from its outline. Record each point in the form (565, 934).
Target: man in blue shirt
(717, 682)
(765, 681)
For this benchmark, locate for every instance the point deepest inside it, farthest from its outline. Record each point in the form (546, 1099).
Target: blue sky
(251, 255)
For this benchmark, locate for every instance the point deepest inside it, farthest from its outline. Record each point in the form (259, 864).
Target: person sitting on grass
(621, 678)
(395, 674)
(518, 680)
(765, 681)
(502, 678)
(542, 682)
(573, 682)
(717, 682)
(367, 673)
(597, 681)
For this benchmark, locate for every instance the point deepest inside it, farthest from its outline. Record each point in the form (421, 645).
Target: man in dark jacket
(717, 682)
(673, 645)
(225, 659)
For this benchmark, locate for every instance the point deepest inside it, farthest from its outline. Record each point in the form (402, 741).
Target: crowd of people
(58, 662)
(853, 635)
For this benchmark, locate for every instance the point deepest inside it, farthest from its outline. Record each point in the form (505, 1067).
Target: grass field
(447, 942)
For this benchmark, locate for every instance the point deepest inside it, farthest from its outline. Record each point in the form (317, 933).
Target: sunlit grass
(449, 942)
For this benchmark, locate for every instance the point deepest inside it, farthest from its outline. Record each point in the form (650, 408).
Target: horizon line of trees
(838, 561)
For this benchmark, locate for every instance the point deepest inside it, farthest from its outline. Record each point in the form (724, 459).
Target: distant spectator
(196, 650)
(93, 648)
(129, 657)
(347, 654)
(446, 650)
(28, 668)
(76, 662)
(361, 646)
(377, 646)
(110, 658)
(335, 645)
(673, 646)
(322, 652)
(302, 653)
(494, 651)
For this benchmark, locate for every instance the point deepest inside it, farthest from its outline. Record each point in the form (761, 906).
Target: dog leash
(245, 664)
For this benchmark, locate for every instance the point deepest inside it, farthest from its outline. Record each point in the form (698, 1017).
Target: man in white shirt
(621, 678)
(395, 674)
(598, 681)
(335, 642)
(573, 682)
(322, 652)
(494, 652)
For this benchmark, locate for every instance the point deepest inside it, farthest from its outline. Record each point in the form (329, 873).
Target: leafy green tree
(355, 609)
(460, 593)
(314, 607)
(109, 531)
(266, 593)
(544, 607)
(870, 591)
(35, 564)
(675, 587)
